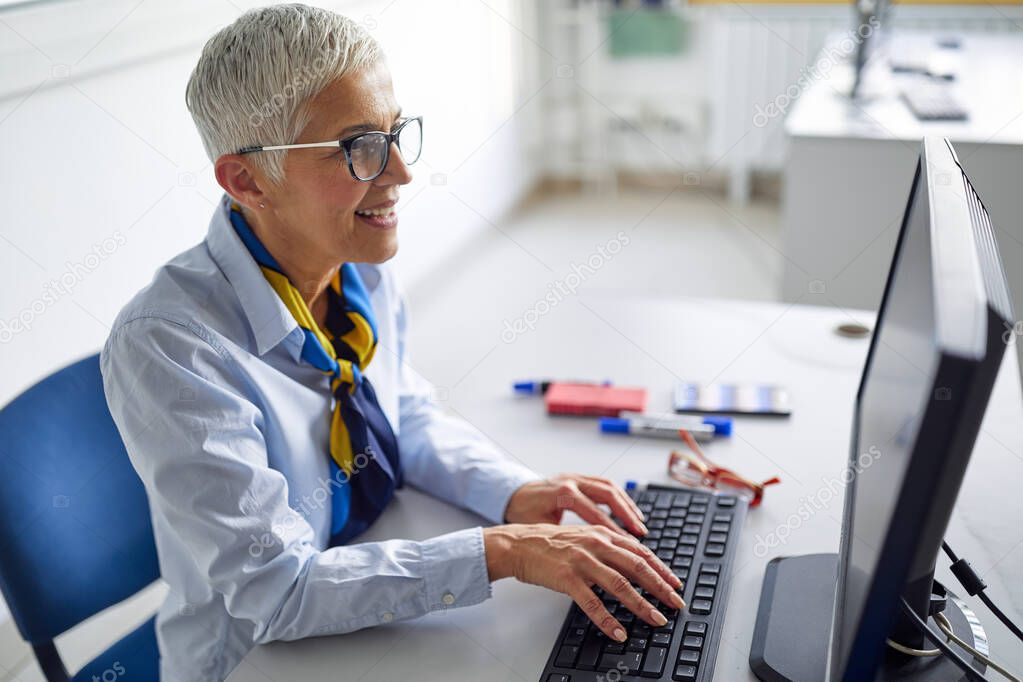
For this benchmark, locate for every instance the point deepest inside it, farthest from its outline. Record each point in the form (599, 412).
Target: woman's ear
(237, 176)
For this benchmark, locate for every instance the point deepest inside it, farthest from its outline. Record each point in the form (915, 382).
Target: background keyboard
(694, 532)
(933, 102)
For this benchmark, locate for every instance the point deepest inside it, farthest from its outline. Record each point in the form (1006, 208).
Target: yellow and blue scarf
(365, 465)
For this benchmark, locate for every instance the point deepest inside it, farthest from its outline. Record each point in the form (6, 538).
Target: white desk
(509, 637)
(849, 166)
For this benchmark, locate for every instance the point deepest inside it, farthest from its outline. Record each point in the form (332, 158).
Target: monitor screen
(894, 392)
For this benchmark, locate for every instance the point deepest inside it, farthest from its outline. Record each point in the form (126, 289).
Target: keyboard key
(679, 513)
(663, 501)
(659, 514)
(722, 518)
(661, 639)
(629, 660)
(615, 648)
(692, 642)
(558, 677)
(718, 527)
(696, 628)
(671, 533)
(575, 636)
(726, 501)
(672, 523)
(681, 573)
(718, 537)
(695, 518)
(681, 500)
(590, 652)
(667, 554)
(641, 629)
(704, 593)
(655, 524)
(652, 543)
(636, 644)
(700, 606)
(689, 538)
(653, 666)
(714, 549)
(669, 543)
(698, 509)
(706, 580)
(685, 673)
(710, 568)
(682, 550)
(688, 656)
(566, 656)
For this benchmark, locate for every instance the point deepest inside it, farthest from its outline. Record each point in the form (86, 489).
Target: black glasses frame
(345, 144)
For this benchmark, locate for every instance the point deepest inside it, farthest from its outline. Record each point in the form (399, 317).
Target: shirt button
(387, 617)
(448, 598)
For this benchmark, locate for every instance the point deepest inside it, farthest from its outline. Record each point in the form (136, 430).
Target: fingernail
(643, 528)
(676, 601)
(619, 634)
(658, 617)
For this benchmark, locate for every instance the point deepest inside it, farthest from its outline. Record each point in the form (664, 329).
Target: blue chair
(75, 533)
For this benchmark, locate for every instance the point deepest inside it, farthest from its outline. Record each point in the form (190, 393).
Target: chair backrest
(75, 532)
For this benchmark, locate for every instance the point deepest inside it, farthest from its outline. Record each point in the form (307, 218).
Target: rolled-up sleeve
(446, 456)
(197, 443)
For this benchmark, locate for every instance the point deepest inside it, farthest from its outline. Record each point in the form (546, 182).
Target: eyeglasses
(367, 153)
(695, 469)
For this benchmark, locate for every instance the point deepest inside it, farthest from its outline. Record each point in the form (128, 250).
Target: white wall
(97, 145)
(103, 177)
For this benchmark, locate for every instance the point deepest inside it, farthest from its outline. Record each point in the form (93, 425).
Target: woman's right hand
(572, 559)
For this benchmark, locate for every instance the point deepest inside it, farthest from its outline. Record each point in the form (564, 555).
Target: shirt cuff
(495, 502)
(456, 570)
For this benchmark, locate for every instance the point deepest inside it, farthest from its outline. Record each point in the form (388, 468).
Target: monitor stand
(790, 639)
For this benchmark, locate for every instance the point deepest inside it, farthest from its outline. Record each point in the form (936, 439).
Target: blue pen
(703, 428)
(539, 387)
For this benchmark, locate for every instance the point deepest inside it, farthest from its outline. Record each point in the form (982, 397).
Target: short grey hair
(256, 77)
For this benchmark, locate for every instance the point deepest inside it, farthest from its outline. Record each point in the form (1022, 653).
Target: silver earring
(262, 205)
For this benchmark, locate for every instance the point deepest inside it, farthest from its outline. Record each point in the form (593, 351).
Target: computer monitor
(930, 369)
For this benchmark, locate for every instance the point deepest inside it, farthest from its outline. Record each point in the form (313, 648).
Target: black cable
(939, 642)
(974, 586)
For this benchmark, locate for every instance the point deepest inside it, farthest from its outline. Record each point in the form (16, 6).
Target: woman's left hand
(547, 500)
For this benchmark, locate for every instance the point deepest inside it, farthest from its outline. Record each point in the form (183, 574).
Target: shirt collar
(270, 320)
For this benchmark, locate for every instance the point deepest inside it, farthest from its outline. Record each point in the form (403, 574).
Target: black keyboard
(694, 532)
(933, 103)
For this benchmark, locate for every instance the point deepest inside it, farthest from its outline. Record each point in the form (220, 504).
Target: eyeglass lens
(369, 151)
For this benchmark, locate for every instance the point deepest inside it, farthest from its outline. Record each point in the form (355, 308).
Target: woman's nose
(397, 171)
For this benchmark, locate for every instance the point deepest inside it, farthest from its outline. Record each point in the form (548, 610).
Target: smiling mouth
(383, 218)
(376, 211)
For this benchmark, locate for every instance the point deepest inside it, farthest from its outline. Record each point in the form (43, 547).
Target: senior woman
(261, 382)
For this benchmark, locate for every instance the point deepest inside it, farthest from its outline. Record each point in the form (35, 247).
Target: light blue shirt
(229, 433)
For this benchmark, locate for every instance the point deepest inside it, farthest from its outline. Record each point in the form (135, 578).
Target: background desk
(849, 166)
(653, 343)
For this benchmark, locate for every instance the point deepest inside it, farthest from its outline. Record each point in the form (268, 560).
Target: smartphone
(754, 399)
